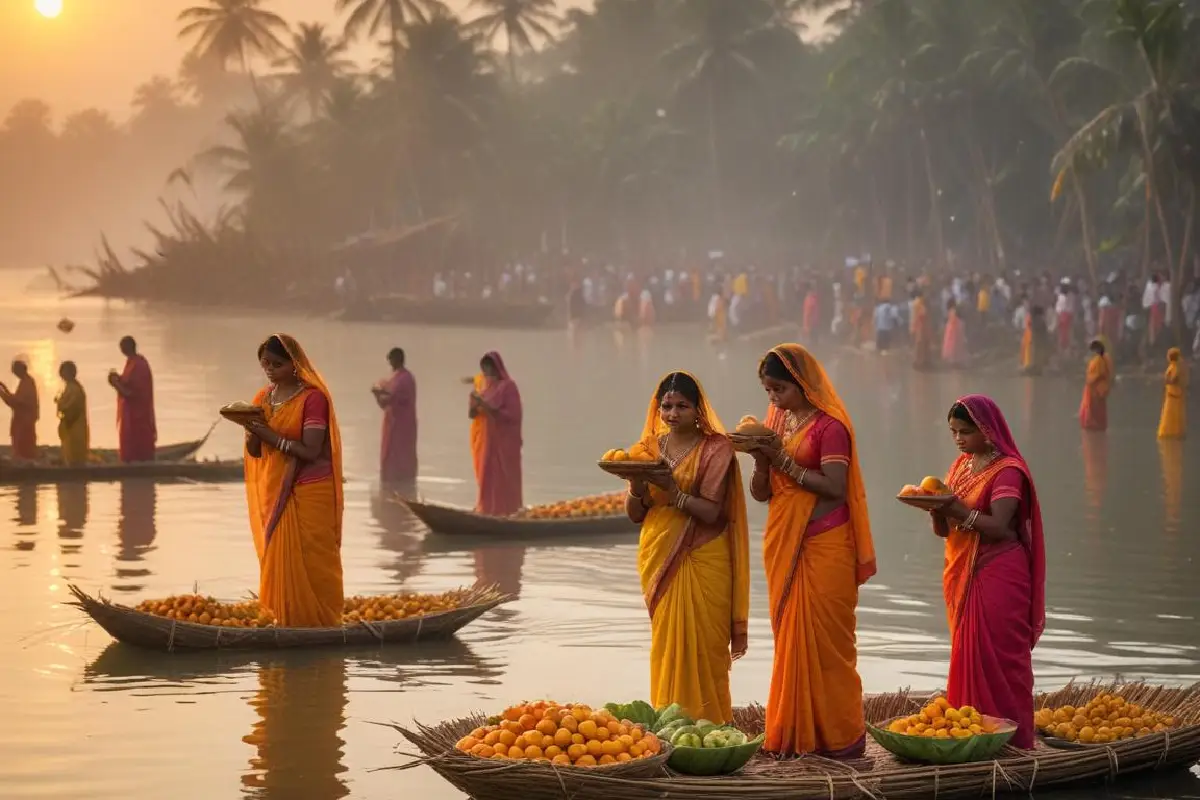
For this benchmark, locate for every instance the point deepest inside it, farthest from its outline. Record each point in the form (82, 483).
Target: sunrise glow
(48, 8)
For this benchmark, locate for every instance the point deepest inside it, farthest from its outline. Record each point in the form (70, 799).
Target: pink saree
(500, 474)
(398, 448)
(995, 591)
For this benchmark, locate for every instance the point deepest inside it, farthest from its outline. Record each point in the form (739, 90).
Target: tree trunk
(935, 206)
(715, 162)
(1177, 279)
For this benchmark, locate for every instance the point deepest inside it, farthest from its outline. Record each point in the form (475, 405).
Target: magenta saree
(500, 474)
(398, 448)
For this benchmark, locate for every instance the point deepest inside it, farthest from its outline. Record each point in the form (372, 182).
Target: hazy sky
(97, 51)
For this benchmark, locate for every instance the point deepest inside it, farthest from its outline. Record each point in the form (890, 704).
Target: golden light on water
(48, 8)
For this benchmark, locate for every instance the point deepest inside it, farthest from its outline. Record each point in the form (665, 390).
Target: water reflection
(137, 528)
(27, 505)
(301, 707)
(1095, 472)
(500, 567)
(399, 533)
(1171, 457)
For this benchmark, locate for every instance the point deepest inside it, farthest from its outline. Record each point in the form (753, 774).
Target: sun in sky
(48, 8)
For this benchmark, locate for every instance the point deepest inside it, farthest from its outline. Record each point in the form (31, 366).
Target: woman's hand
(638, 488)
(664, 481)
(739, 643)
(260, 430)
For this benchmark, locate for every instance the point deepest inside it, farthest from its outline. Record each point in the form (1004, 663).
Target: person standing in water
(495, 412)
(137, 432)
(397, 396)
(72, 417)
(24, 405)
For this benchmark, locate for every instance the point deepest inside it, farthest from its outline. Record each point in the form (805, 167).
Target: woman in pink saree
(397, 396)
(499, 446)
(954, 341)
(994, 579)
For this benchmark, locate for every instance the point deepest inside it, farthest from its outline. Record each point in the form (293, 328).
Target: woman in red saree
(1093, 410)
(817, 551)
(25, 411)
(397, 396)
(693, 555)
(137, 431)
(294, 490)
(954, 340)
(994, 579)
(497, 449)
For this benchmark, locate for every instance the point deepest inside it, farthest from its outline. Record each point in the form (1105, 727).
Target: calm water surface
(88, 718)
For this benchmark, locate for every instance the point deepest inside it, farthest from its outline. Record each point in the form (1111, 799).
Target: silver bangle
(285, 446)
(969, 525)
(681, 501)
(803, 472)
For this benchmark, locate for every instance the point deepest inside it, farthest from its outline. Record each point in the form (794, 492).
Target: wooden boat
(877, 775)
(138, 628)
(451, 521)
(179, 451)
(196, 471)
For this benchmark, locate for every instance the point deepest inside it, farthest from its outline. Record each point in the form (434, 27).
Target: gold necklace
(674, 462)
(793, 423)
(277, 403)
(977, 468)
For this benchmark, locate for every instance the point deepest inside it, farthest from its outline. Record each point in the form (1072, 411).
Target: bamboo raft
(169, 635)
(451, 521)
(878, 775)
(194, 471)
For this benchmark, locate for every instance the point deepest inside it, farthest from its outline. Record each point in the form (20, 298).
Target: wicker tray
(926, 502)
(744, 442)
(159, 633)
(634, 470)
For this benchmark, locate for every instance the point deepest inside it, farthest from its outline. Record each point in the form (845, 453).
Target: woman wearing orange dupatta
(817, 550)
(994, 579)
(693, 556)
(954, 340)
(294, 490)
(496, 443)
(1173, 422)
(1093, 410)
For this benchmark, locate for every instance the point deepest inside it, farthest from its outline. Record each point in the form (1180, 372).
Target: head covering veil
(992, 424)
(819, 390)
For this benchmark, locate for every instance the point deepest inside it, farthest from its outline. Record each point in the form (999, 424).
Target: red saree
(136, 429)
(25, 413)
(500, 446)
(995, 591)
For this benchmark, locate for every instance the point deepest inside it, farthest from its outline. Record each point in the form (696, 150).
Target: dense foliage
(974, 134)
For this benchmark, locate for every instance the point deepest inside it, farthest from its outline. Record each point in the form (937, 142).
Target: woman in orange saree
(1173, 422)
(994, 579)
(817, 550)
(294, 490)
(25, 411)
(921, 332)
(1093, 410)
(954, 340)
(693, 556)
(497, 450)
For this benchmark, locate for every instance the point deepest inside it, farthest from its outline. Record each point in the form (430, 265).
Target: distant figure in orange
(25, 411)
(1093, 410)
(1173, 423)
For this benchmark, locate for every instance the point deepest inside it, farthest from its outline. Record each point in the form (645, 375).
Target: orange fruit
(623, 757)
(561, 760)
(575, 751)
(603, 734)
(492, 738)
(585, 761)
(516, 753)
(486, 752)
(595, 747)
(546, 727)
(466, 743)
(534, 738)
(606, 760)
(578, 738)
(521, 742)
(636, 750)
(589, 729)
(527, 722)
(552, 751)
(562, 737)
(569, 722)
(507, 738)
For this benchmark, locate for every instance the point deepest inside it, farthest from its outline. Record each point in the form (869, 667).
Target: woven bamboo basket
(159, 633)
(878, 775)
(450, 521)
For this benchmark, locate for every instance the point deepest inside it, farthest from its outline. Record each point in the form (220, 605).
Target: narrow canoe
(198, 471)
(168, 452)
(152, 632)
(878, 774)
(451, 521)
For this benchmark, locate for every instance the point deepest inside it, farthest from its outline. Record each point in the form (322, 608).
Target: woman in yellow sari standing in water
(294, 490)
(1093, 409)
(817, 550)
(72, 417)
(1173, 423)
(693, 556)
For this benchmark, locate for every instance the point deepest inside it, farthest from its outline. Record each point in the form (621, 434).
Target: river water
(88, 718)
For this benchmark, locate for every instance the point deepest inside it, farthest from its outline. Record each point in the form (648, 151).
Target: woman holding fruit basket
(995, 574)
(693, 556)
(817, 551)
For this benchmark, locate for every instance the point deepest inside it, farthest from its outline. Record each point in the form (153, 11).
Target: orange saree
(1093, 409)
(814, 568)
(296, 508)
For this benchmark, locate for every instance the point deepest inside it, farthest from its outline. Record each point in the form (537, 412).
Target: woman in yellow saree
(1093, 409)
(72, 417)
(693, 556)
(294, 490)
(1173, 423)
(817, 550)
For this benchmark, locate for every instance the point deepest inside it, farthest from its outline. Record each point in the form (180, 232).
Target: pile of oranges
(1102, 720)
(566, 735)
(208, 611)
(929, 486)
(204, 610)
(636, 453)
(597, 505)
(940, 720)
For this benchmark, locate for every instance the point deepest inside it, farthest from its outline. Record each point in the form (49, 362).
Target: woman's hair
(773, 367)
(488, 361)
(680, 383)
(960, 412)
(1097, 345)
(275, 347)
(67, 370)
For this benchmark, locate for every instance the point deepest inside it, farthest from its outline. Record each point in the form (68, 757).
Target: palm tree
(519, 20)
(232, 30)
(374, 16)
(313, 65)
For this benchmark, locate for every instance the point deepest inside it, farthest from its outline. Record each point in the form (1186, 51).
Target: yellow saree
(297, 522)
(695, 578)
(1173, 422)
(73, 424)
